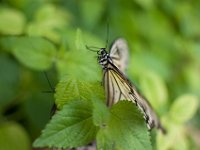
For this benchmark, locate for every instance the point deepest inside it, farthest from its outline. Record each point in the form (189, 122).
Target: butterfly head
(103, 57)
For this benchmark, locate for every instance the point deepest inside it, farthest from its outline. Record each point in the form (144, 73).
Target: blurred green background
(164, 40)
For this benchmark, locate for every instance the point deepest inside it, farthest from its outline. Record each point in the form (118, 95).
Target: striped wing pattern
(118, 87)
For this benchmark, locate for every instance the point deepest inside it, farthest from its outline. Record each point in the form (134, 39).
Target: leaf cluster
(37, 36)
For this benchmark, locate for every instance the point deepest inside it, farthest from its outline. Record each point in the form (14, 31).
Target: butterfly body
(118, 87)
(103, 58)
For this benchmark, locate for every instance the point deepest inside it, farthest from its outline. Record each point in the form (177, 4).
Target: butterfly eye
(102, 51)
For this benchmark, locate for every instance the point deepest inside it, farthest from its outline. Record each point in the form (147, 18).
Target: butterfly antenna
(92, 48)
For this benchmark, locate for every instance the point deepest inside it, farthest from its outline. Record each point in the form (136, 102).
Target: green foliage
(184, 108)
(121, 128)
(7, 66)
(101, 114)
(96, 7)
(72, 88)
(47, 21)
(12, 21)
(35, 35)
(70, 127)
(155, 89)
(10, 142)
(33, 52)
(181, 111)
(125, 129)
(71, 60)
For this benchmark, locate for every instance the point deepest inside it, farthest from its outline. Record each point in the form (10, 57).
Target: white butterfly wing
(119, 54)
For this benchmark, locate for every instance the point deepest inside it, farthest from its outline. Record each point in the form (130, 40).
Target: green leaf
(72, 37)
(48, 21)
(13, 137)
(101, 113)
(175, 138)
(154, 89)
(125, 130)
(78, 60)
(75, 63)
(33, 52)
(70, 127)
(71, 88)
(184, 108)
(12, 21)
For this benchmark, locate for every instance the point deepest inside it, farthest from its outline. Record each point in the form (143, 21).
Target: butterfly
(118, 87)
